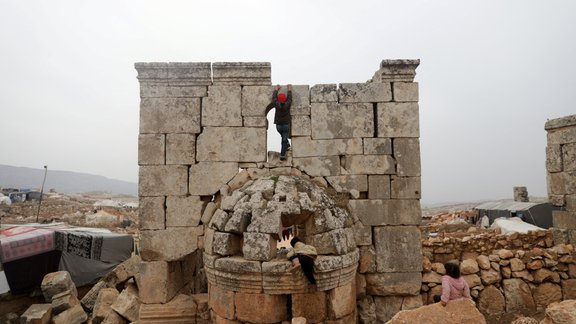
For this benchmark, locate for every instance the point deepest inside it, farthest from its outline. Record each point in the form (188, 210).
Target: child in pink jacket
(453, 285)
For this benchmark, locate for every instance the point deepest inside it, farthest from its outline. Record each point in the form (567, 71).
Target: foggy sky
(491, 74)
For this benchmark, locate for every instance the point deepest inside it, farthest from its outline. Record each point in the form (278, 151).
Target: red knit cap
(282, 97)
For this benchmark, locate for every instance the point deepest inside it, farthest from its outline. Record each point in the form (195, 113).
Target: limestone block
(306, 147)
(518, 295)
(569, 289)
(180, 148)
(103, 305)
(239, 221)
(362, 234)
(74, 315)
(554, 158)
(569, 156)
(259, 246)
(189, 73)
(333, 120)
(561, 136)
(342, 300)
(263, 186)
(405, 187)
(159, 281)
(339, 241)
(546, 294)
(37, 314)
(387, 307)
(491, 301)
(378, 187)
(571, 203)
(63, 301)
(376, 146)
(127, 304)
(369, 164)
(267, 220)
(301, 126)
(55, 283)
(396, 70)
(222, 107)
(182, 309)
(151, 149)
(562, 183)
(311, 306)
(270, 308)
(255, 99)
(564, 219)
(393, 284)
(366, 310)
(405, 91)
(367, 262)
(219, 220)
(398, 249)
(206, 178)
(255, 122)
(170, 115)
(323, 93)
(163, 180)
(560, 122)
(232, 144)
(407, 155)
(300, 101)
(365, 92)
(241, 73)
(160, 245)
(240, 180)
(164, 90)
(398, 119)
(184, 211)
(349, 182)
(151, 70)
(222, 302)
(151, 213)
(326, 221)
(208, 212)
(320, 166)
(238, 265)
(229, 202)
(372, 212)
(226, 243)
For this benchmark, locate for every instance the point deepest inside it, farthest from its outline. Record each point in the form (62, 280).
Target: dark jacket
(282, 113)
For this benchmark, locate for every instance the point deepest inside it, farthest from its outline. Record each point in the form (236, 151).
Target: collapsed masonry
(211, 206)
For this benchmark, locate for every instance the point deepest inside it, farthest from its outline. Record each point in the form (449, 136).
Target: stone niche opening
(242, 260)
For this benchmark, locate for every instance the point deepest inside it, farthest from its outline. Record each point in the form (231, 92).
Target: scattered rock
(456, 312)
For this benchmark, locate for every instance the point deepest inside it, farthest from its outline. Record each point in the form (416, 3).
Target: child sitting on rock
(302, 256)
(453, 285)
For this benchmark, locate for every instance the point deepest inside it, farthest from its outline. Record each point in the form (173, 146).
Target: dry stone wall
(202, 149)
(561, 167)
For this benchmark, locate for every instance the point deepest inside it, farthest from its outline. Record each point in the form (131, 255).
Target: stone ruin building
(212, 205)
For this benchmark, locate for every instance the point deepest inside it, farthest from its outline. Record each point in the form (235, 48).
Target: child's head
(294, 241)
(452, 269)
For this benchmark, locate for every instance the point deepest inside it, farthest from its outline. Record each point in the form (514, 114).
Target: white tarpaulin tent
(513, 225)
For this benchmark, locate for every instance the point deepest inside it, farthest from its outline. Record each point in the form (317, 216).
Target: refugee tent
(538, 214)
(29, 252)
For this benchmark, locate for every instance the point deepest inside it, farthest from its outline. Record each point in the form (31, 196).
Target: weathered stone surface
(74, 315)
(456, 312)
(300, 126)
(184, 211)
(208, 212)
(300, 101)
(187, 73)
(151, 213)
(127, 304)
(222, 302)
(170, 115)
(160, 245)
(405, 91)
(163, 180)
(339, 241)
(159, 281)
(554, 158)
(569, 289)
(397, 249)
(364, 92)
(180, 149)
(396, 70)
(398, 120)
(270, 309)
(562, 183)
(56, 283)
(154, 70)
(366, 310)
(387, 307)
(469, 266)
(320, 166)
(348, 183)
(306, 147)
(431, 277)
(378, 187)
(546, 294)
(561, 313)
(219, 220)
(341, 300)
(516, 264)
(407, 156)
(323, 93)
(259, 246)
(222, 107)
(564, 219)
(230, 144)
(163, 90)
(226, 243)
(266, 221)
(393, 284)
(569, 157)
(311, 306)
(518, 295)
(560, 122)
(386, 212)
(254, 122)
(473, 280)
(182, 309)
(63, 301)
(376, 146)
(206, 178)
(369, 164)
(490, 276)
(362, 234)
(561, 136)
(405, 187)
(367, 261)
(239, 220)
(333, 120)
(241, 73)
(491, 301)
(37, 314)
(255, 99)
(103, 305)
(151, 149)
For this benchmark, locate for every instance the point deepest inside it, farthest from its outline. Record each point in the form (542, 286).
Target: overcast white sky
(491, 74)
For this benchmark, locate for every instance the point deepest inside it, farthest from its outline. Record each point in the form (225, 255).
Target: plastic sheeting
(513, 225)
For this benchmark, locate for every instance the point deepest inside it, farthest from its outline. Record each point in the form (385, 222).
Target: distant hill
(63, 181)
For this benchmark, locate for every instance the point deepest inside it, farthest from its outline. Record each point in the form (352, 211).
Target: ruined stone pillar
(561, 167)
(521, 194)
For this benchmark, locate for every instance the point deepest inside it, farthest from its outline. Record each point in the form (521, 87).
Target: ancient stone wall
(202, 150)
